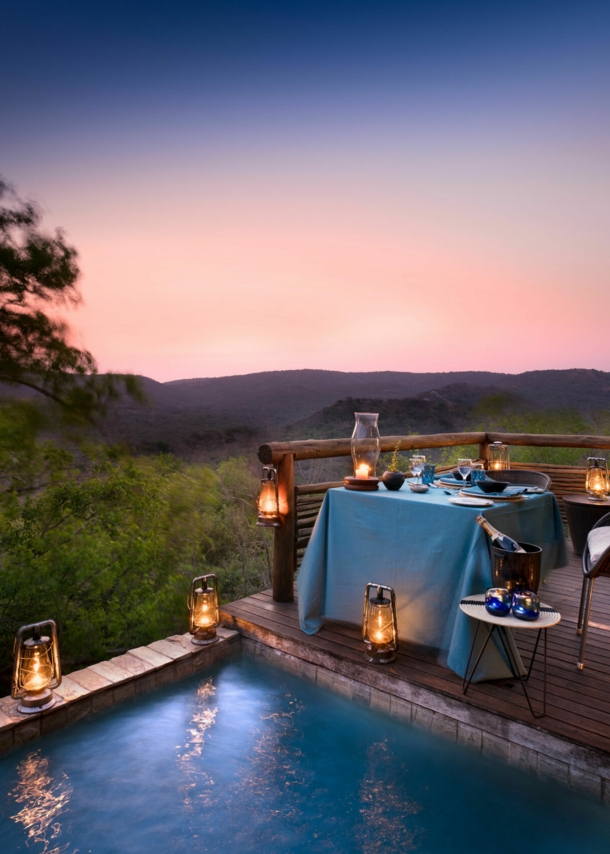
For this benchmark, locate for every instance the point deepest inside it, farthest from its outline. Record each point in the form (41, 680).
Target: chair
(521, 477)
(595, 562)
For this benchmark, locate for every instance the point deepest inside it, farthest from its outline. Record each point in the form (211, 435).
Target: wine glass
(464, 466)
(417, 463)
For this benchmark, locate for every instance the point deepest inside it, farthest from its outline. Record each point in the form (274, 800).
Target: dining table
(432, 552)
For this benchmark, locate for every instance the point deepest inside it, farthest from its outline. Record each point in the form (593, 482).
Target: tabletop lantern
(365, 444)
(499, 457)
(597, 484)
(203, 605)
(37, 668)
(379, 625)
(268, 502)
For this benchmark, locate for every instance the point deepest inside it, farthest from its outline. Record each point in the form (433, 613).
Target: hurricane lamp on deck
(499, 457)
(268, 501)
(203, 605)
(37, 668)
(379, 624)
(365, 444)
(597, 483)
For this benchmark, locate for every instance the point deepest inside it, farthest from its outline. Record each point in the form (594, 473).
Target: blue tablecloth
(431, 552)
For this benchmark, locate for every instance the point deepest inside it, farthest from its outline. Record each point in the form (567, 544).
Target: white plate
(471, 502)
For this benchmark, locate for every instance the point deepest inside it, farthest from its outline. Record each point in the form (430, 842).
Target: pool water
(248, 758)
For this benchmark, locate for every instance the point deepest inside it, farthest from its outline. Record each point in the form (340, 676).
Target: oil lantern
(379, 625)
(203, 605)
(37, 668)
(597, 484)
(268, 502)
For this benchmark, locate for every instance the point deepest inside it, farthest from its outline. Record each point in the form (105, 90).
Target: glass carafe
(365, 444)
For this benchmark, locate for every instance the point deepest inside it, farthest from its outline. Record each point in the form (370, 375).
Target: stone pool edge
(100, 686)
(584, 770)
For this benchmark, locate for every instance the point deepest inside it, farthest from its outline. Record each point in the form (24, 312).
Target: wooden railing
(300, 505)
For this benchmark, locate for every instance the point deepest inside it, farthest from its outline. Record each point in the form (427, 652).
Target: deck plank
(578, 702)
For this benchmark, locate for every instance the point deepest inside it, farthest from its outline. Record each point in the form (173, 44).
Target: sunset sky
(343, 185)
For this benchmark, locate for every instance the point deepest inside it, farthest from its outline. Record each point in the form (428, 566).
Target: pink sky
(231, 274)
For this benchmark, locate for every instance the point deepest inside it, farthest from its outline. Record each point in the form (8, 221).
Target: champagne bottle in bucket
(500, 540)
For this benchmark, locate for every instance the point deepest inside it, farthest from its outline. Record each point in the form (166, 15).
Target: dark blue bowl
(490, 485)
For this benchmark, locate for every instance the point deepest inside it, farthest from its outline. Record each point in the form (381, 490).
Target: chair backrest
(522, 477)
(602, 565)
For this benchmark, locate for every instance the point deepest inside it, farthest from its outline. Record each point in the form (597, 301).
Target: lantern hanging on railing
(379, 624)
(365, 444)
(597, 483)
(37, 668)
(268, 500)
(203, 605)
(499, 457)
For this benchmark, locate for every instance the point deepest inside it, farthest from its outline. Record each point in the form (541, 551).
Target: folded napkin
(509, 491)
(598, 541)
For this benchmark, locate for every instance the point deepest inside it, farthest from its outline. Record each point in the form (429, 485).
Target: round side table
(582, 513)
(474, 606)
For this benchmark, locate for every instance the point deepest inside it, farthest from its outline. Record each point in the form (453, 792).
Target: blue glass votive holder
(427, 475)
(526, 605)
(498, 601)
(477, 474)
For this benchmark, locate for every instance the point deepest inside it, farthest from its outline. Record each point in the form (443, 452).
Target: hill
(214, 417)
(438, 411)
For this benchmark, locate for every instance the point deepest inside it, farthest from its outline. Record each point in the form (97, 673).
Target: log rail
(300, 505)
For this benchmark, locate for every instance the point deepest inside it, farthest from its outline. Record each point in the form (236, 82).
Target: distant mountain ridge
(282, 397)
(215, 417)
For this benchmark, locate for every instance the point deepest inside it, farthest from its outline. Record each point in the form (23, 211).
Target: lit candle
(204, 614)
(496, 466)
(362, 470)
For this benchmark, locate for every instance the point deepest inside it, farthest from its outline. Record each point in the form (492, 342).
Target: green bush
(106, 545)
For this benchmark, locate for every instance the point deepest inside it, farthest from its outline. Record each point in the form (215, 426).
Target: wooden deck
(578, 702)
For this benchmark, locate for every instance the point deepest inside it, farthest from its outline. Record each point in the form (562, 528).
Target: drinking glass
(428, 473)
(464, 466)
(477, 473)
(417, 463)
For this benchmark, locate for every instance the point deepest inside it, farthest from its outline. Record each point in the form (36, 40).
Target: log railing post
(284, 548)
(484, 452)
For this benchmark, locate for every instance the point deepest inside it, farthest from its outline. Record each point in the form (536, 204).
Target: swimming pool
(248, 758)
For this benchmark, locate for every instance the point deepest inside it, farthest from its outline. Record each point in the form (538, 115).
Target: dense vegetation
(106, 543)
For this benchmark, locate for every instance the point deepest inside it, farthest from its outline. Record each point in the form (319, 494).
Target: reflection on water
(279, 794)
(194, 774)
(44, 799)
(384, 805)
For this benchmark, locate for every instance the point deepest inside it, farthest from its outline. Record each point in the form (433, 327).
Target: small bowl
(490, 485)
(458, 476)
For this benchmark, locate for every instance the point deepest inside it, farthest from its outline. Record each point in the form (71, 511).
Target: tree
(38, 275)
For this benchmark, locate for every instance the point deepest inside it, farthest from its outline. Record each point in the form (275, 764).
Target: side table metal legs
(512, 663)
